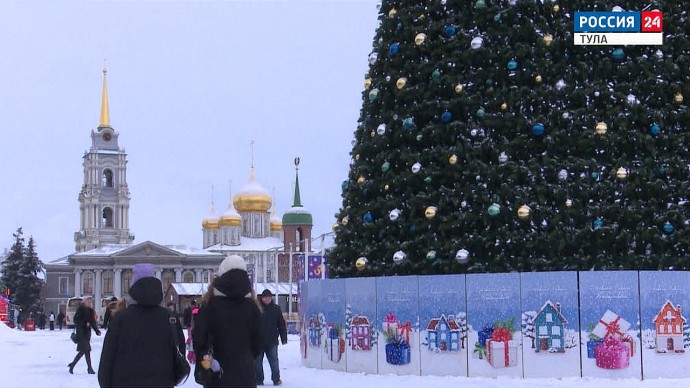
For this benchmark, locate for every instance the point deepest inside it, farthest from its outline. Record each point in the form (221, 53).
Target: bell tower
(104, 196)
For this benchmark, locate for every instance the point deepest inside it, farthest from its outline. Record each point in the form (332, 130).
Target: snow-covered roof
(276, 288)
(673, 307)
(297, 210)
(249, 245)
(63, 260)
(553, 306)
(190, 288)
(253, 188)
(109, 249)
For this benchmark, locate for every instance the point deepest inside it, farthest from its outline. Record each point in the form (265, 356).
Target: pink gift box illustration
(612, 354)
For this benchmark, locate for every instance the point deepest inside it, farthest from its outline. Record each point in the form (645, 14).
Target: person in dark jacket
(60, 319)
(229, 323)
(84, 321)
(187, 315)
(112, 305)
(175, 321)
(138, 350)
(273, 325)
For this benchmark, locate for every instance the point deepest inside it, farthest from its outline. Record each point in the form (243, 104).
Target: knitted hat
(266, 292)
(232, 262)
(140, 271)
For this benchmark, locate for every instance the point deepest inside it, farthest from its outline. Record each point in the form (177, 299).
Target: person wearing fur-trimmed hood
(229, 324)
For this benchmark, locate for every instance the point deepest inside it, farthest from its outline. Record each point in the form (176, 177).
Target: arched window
(167, 278)
(107, 178)
(126, 281)
(206, 276)
(298, 240)
(107, 282)
(188, 277)
(107, 218)
(87, 283)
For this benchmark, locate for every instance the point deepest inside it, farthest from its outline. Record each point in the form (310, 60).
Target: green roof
(297, 216)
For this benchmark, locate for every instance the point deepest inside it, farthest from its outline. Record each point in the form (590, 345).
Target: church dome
(297, 215)
(252, 197)
(230, 218)
(276, 223)
(210, 223)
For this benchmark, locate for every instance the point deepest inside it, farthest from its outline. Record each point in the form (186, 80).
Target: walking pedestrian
(84, 322)
(228, 325)
(112, 305)
(138, 347)
(61, 319)
(51, 319)
(273, 327)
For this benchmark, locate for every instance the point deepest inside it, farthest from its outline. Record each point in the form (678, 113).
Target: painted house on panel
(549, 326)
(314, 331)
(360, 333)
(669, 329)
(443, 334)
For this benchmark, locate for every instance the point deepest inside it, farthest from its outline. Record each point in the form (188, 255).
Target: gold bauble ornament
(357, 157)
(401, 82)
(361, 263)
(556, 8)
(568, 202)
(367, 83)
(622, 173)
(361, 180)
(345, 220)
(453, 159)
(601, 128)
(504, 106)
(524, 212)
(373, 133)
(385, 187)
(430, 212)
(678, 98)
(537, 79)
(392, 12)
(458, 88)
(335, 226)
(419, 38)
(548, 39)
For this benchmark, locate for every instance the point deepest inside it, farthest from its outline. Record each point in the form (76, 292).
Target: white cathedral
(105, 250)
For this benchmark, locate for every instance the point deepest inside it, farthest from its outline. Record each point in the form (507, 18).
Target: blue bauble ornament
(408, 123)
(538, 129)
(512, 64)
(494, 210)
(654, 129)
(368, 218)
(447, 117)
(394, 48)
(617, 54)
(436, 74)
(480, 113)
(497, 17)
(450, 30)
(598, 224)
(427, 180)
(413, 229)
(385, 166)
(594, 175)
(345, 184)
(668, 228)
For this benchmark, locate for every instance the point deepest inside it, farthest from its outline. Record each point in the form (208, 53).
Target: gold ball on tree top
(556, 8)
(361, 180)
(419, 38)
(367, 83)
(622, 173)
(458, 88)
(504, 106)
(678, 98)
(361, 263)
(548, 39)
(453, 159)
(537, 79)
(568, 202)
(401, 82)
(392, 12)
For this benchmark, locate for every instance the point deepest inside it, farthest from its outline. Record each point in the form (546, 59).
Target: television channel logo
(618, 28)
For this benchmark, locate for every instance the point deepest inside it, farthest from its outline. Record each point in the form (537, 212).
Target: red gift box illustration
(612, 354)
(502, 349)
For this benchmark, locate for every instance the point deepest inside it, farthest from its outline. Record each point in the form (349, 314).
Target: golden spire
(251, 169)
(213, 204)
(105, 112)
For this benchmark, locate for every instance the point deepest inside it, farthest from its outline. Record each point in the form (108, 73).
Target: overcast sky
(190, 84)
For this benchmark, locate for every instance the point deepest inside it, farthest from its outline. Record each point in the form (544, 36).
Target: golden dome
(230, 220)
(276, 224)
(209, 224)
(252, 197)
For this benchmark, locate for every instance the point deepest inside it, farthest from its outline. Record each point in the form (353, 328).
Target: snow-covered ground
(39, 359)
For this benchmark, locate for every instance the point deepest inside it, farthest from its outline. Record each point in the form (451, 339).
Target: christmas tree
(489, 142)
(20, 273)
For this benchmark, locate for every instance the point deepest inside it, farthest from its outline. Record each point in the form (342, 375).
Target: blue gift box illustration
(397, 351)
(591, 344)
(485, 334)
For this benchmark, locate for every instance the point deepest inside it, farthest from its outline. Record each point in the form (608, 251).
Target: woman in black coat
(84, 321)
(229, 322)
(138, 350)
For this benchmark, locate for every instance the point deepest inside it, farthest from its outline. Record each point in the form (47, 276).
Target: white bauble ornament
(503, 157)
(632, 100)
(399, 257)
(617, 8)
(381, 129)
(462, 256)
(563, 174)
(394, 214)
(560, 84)
(477, 42)
(416, 167)
(373, 57)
